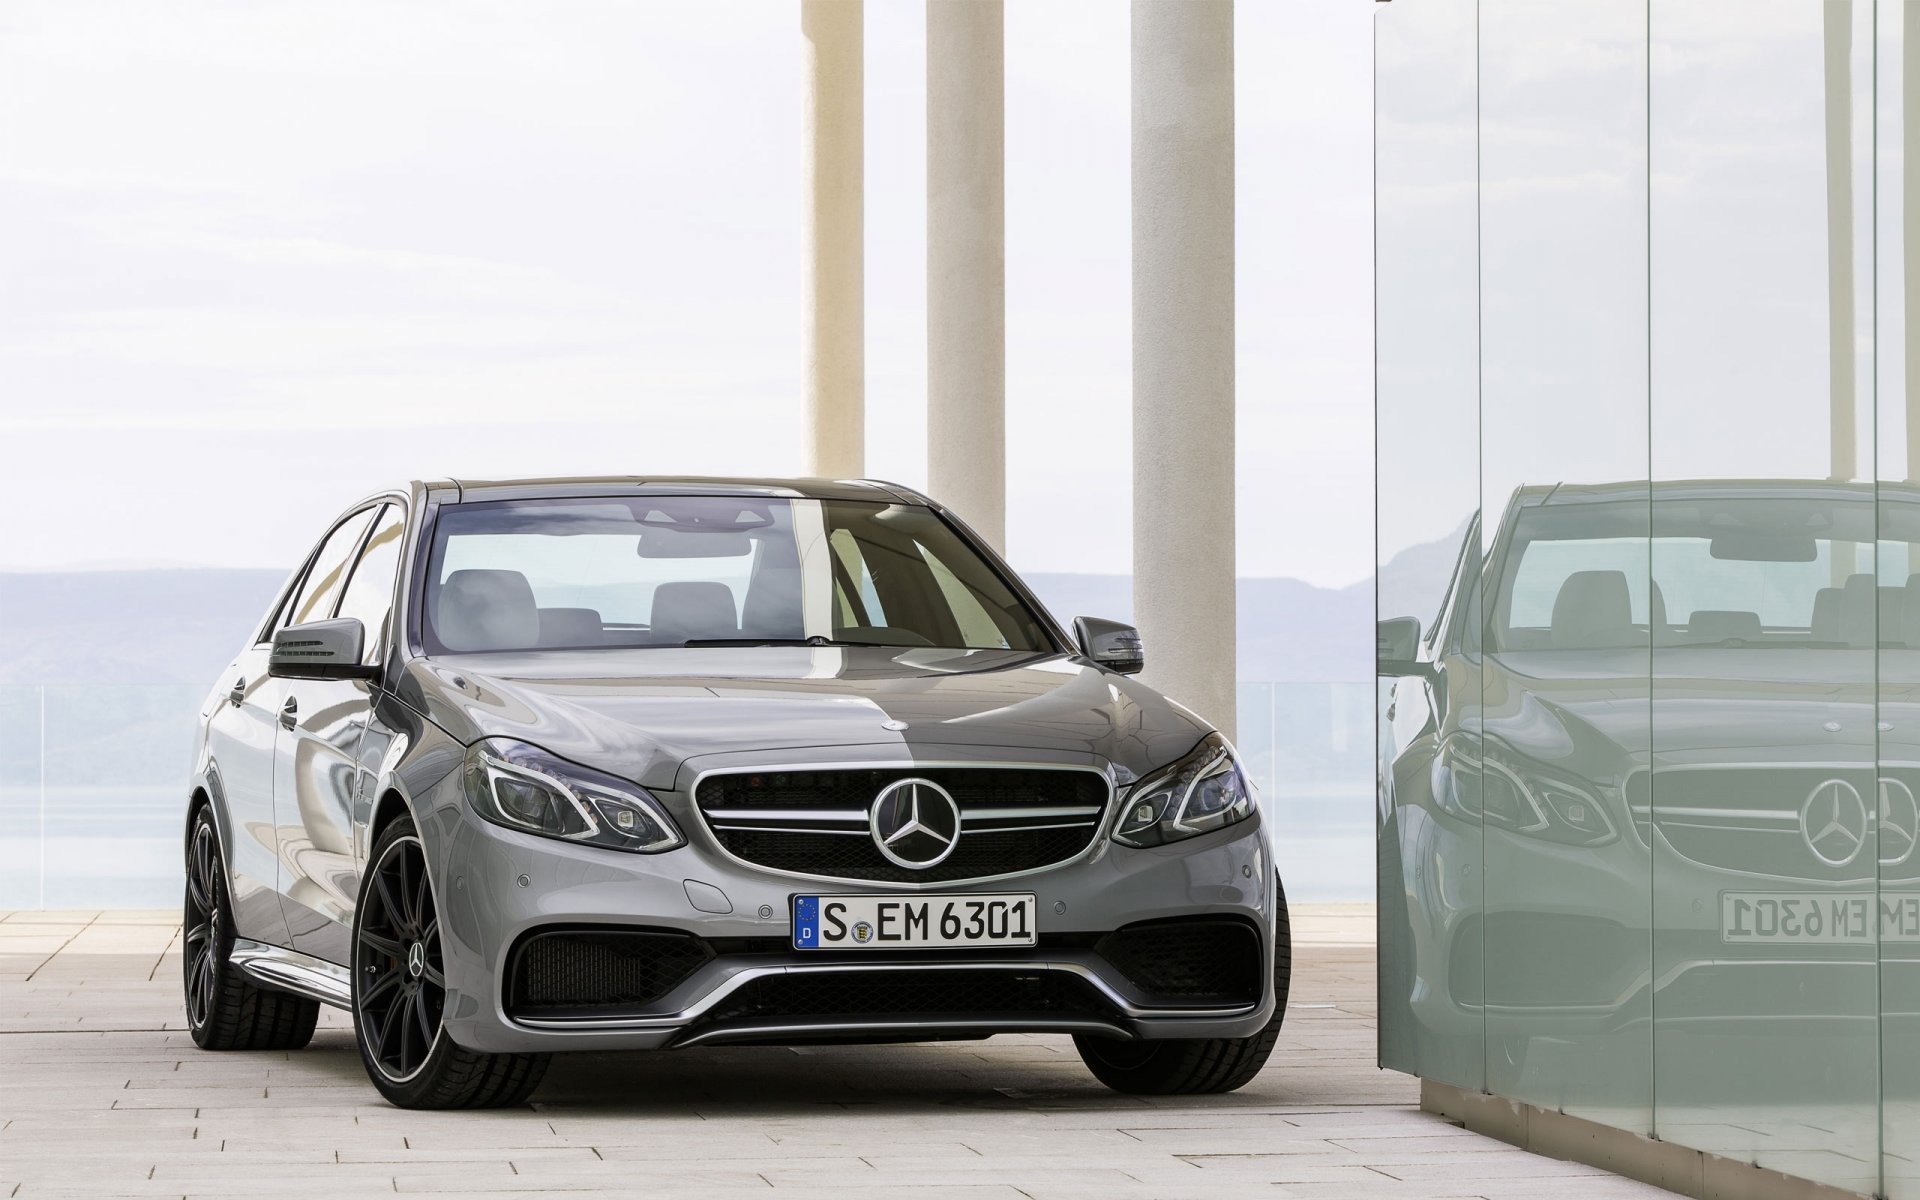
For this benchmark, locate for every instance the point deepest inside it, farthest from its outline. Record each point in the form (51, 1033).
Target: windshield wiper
(815, 640)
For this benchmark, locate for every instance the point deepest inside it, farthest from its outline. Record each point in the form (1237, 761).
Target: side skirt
(292, 971)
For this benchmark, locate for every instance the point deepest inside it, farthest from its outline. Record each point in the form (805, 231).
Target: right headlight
(523, 787)
(1202, 792)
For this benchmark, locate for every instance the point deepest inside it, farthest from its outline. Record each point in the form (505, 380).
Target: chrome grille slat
(812, 821)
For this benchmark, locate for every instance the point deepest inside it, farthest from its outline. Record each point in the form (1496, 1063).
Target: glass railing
(92, 788)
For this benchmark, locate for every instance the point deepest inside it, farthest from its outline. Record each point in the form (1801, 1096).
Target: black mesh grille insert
(1189, 959)
(851, 854)
(882, 994)
(596, 972)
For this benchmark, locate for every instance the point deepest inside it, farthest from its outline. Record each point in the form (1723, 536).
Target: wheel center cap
(417, 960)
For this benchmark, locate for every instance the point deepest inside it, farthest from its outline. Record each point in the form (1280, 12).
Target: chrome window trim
(1107, 810)
(740, 979)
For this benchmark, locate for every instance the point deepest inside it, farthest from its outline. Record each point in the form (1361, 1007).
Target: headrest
(690, 610)
(1845, 614)
(1719, 625)
(1593, 611)
(487, 610)
(571, 627)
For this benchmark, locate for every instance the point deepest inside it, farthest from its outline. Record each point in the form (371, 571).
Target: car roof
(677, 485)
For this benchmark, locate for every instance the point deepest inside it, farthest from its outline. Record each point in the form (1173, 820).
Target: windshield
(1719, 572)
(712, 570)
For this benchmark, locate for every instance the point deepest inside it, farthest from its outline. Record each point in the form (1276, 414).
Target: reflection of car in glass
(516, 768)
(1532, 784)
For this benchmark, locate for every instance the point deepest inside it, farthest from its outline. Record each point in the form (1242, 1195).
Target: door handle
(289, 713)
(238, 693)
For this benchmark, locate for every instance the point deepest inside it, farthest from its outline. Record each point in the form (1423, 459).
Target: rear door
(321, 792)
(240, 744)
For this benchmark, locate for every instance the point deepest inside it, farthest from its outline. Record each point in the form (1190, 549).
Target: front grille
(1747, 817)
(816, 822)
(878, 995)
(598, 972)
(1191, 959)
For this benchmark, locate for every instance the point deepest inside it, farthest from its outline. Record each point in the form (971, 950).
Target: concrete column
(836, 257)
(1843, 442)
(1910, 230)
(966, 263)
(1183, 548)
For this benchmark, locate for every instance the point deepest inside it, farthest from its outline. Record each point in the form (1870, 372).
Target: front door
(322, 777)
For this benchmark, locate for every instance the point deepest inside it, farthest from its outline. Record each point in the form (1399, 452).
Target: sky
(265, 258)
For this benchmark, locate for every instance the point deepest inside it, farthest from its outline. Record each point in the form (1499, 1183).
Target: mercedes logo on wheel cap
(1833, 822)
(915, 823)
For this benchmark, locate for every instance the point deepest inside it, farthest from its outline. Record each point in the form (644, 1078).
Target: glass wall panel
(1431, 928)
(1766, 1042)
(1568, 610)
(1898, 455)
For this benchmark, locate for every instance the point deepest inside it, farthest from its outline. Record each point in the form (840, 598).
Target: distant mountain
(180, 625)
(1289, 631)
(140, 626)
(1414, 581)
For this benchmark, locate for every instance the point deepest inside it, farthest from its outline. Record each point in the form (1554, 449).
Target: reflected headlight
(523, 787)
(1202, 792)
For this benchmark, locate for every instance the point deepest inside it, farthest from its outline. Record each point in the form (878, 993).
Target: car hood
(1742, 705)
(646, 714)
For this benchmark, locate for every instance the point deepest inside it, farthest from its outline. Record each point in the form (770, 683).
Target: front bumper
(498, 885)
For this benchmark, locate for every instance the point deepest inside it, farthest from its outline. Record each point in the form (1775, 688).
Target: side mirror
(321, 650)
(1110, 644)
(1397, 648)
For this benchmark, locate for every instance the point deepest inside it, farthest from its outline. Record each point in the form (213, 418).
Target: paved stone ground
(102, 1093)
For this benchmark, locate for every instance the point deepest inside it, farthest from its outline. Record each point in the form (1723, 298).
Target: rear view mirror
(1115, 646)
(1765, 546)
(320, 650)
(1397, 648)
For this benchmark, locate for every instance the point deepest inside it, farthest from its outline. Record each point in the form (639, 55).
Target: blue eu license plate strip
(806, 922)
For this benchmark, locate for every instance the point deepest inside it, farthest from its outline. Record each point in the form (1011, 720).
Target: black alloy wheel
(225, 1009)
(400, 993)
(401, 978)
(199, 923)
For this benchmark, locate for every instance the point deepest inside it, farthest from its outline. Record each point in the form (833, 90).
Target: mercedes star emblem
(1833, 822)
(915, 823)
(1899, 822)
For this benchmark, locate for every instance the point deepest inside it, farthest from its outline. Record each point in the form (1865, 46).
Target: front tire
(400, 993)
(225, 1009)
(1196, 1066)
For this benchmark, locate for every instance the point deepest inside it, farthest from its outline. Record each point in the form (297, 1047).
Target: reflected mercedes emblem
(1833, 822)
(1899, 822)
(915, 823)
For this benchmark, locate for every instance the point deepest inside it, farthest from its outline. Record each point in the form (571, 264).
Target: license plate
(1807, 918)
(906, 922)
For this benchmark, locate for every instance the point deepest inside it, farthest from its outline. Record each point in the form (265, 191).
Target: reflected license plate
(907, 922)
(1806, 918)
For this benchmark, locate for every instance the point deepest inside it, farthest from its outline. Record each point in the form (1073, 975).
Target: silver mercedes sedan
(516, 768)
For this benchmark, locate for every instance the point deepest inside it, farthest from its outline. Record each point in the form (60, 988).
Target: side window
(321, 587)
(369, 594)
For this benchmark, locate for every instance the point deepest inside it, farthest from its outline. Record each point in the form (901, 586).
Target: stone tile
(107, 1096)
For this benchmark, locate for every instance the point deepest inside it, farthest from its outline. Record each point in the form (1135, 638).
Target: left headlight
(523, 787)
(1202, 792)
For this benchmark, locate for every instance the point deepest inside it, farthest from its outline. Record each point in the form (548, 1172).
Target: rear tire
(1196, 1066)
(225, 1009)
(399, 993)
